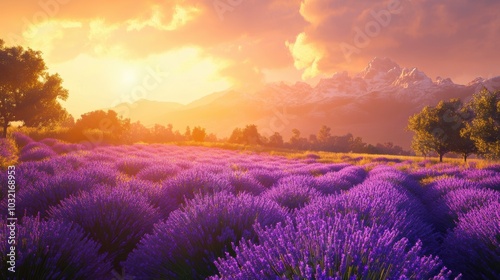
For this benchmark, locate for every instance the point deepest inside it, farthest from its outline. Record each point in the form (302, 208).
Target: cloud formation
(442, 37)
(251, 37)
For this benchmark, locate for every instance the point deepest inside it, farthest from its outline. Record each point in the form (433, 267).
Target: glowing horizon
(180, 51)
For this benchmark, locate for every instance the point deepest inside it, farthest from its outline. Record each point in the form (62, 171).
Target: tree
(187, 134)
(198, 134)
(236, 136)
(484, 128)
(251, 135)
(464, 144)
(357, 145)
(138, 133)
(324, 134)
(276, 140)
(28, 93)
(438, 128)
(296, 141)
(98, 126)
(248, 136)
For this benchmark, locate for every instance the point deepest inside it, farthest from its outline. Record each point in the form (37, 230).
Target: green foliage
(439, 129)
(484, 129)
(28, 93)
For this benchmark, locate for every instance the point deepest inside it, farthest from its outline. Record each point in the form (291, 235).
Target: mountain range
(374, 104)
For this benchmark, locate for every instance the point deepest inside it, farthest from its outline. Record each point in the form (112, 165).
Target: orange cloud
(434, 35)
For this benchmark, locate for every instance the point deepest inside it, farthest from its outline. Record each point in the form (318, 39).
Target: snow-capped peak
(444, 81)
(476, 81)
(379, 68)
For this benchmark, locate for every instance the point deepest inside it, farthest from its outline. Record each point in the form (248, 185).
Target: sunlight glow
(129, 77)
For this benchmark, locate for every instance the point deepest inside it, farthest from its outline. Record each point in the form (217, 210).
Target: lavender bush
(186, 245)
(459, 202)
(473, 247)
(53, 250)
(36, 151)
(158, 172)
(293, 192)
(116, 218)
(244, 182)
(190, 182)
(337, 247)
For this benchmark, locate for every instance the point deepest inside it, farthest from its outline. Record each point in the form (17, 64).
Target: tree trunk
(465, 157)
(5, 126)
(440, 157)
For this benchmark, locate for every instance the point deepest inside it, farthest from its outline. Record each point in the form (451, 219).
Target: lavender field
(168, 212)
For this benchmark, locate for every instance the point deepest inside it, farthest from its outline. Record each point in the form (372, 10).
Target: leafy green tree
(198, 134)
(484, 129)
(28, 93)
(438, 128)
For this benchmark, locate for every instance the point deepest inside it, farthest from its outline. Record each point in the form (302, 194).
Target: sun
(129, 77)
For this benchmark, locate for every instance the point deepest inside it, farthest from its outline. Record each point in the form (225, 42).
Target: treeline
(465, 129)
(323, 140)
(100, 127)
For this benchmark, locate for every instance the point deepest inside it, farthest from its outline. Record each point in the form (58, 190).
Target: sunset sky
(109, 52)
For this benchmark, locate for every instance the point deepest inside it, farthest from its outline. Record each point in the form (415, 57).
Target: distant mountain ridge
(374, 104)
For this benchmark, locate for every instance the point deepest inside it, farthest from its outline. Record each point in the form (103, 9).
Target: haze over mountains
(374, 104)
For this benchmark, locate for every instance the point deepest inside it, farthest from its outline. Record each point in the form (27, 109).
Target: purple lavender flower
(473, 247)
(186, 245)
(117, 218)
(39, 196)
(244, 182)
(132, 165)
(266, 177)
(491, 182)
(438, 188)
(379, 202)
(21, 139)
(52, 250)
(293, 192)
(337, 247)
(158, 172)
(36, 151)
(336, 182)
(459, 202)
(153, 193)
(190, 182)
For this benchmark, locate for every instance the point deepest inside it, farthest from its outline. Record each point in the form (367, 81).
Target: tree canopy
(28, 93)
(439, 129)
(198, 134)
(100, 126)
(484, 129)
